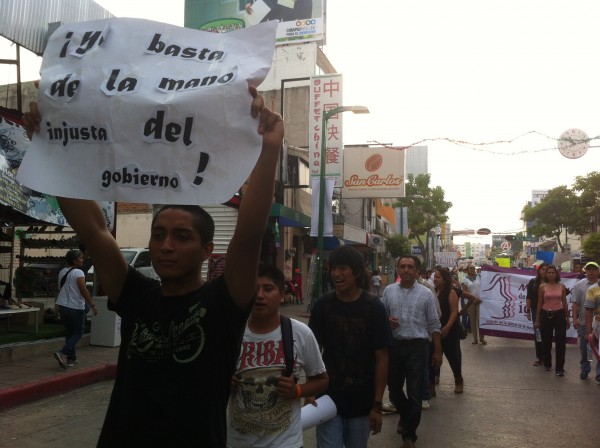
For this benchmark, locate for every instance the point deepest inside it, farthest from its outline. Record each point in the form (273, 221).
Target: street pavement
(507, 402)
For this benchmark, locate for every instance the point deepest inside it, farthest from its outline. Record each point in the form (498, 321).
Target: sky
(480, 73)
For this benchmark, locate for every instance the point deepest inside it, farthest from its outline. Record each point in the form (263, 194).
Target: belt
(409, 341)
(550, 313)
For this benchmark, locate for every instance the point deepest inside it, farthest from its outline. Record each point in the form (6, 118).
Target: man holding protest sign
(180, 337)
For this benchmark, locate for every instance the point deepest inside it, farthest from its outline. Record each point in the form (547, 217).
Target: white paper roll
(315, 415)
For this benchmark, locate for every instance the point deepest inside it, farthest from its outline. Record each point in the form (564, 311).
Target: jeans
(584, 362)
(73, 321)
(451, 349)
(538, 345)
(429, 374)
(464, 317)
(406, 363)
(342, 432)
(556, 324)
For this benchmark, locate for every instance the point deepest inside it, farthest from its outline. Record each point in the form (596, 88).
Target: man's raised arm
(241, 265)
(88, 221)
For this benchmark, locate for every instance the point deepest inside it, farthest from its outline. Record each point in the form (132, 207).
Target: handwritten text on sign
(141, 111)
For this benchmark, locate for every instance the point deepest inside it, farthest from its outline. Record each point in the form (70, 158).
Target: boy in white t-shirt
(264, 406)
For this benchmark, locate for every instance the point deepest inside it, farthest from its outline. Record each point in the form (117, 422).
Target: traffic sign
(530, 238)
(521, 238)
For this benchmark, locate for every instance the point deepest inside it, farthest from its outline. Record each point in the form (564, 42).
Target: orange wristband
(298, 391)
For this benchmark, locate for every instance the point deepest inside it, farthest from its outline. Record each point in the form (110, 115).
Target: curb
(57, 384)
(25, 350)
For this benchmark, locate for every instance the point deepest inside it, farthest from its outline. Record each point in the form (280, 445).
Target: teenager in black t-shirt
(180, 338)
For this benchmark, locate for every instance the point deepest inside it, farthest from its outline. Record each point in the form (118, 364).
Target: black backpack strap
(288, 343)
(64, 279)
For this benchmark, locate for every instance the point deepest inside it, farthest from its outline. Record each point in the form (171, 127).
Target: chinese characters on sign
(326, 94)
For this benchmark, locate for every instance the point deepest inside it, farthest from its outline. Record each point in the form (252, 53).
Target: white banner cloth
(503, 295)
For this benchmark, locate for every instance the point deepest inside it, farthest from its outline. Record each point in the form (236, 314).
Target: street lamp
(321, 224)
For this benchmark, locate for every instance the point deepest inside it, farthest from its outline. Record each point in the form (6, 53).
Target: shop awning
(288, 217)
(332, 242)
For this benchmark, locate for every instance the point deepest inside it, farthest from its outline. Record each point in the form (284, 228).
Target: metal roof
(25, 22)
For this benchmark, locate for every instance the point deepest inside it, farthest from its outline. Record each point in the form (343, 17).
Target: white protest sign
(141, 111)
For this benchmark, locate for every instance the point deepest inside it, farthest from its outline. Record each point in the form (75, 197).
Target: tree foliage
(397, 245)
(589, 189)
(591, 247)
(557, 213)
(426, 207)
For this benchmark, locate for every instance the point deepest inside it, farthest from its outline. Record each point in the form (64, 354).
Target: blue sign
(417, 250)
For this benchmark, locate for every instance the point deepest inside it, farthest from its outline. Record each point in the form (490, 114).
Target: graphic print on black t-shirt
(183, 341)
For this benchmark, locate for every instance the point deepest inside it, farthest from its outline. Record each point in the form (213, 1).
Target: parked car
(136, 257)
(140, 259)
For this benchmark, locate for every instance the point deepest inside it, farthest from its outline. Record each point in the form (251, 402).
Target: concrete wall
(133, 229)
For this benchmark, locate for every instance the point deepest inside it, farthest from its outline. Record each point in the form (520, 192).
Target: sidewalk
(37, 374)
(29, 372)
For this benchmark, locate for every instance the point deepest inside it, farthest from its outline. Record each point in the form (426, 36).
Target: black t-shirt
(532, 292)
(444, 300)
(350, 333)
(176, 360)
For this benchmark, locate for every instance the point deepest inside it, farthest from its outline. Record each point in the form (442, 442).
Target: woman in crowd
(553, 315)
(71, 301)
(448, 299)
(531, 302)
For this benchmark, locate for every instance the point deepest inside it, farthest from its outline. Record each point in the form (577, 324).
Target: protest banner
(503, 295)
(446, 259)
(141, 111)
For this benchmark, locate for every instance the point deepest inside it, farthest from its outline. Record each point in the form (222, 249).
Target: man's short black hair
(414, 258)
(201, 219)
(273, 273)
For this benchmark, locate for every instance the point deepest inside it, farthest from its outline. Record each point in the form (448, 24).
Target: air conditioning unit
(375, 240)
